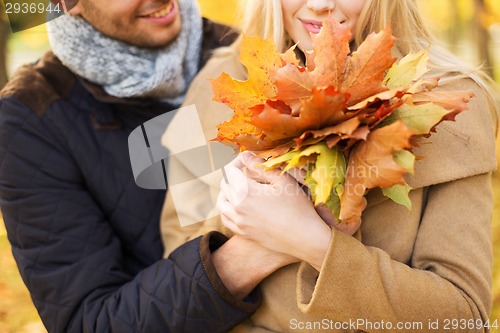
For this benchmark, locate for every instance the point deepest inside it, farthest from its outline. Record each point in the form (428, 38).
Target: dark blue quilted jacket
(86, 239)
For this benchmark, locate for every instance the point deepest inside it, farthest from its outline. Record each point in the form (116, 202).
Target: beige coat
(431, 263)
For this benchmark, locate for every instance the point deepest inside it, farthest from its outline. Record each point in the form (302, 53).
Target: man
(85, 237)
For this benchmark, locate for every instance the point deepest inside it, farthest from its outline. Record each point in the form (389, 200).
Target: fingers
(227, 213)
(253, 170)
(258, 173)
(298, 174)
(246, 179)
(237, 162)
(235, 186)
(249, 164)
(326, 214)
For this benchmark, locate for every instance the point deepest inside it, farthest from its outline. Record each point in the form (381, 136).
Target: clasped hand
(271, 209)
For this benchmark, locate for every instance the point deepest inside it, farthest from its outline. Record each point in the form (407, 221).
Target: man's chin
(153, 44)
(159, 38)
(148, 41)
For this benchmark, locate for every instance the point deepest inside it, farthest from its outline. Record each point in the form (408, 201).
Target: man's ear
(76, 10)
(72, 7)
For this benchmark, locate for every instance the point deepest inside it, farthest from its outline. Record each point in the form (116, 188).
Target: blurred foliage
(469, 28)
(452, 20)
(17, 313)
(219, 10)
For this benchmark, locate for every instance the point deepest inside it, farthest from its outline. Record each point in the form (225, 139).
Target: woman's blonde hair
(264, 18)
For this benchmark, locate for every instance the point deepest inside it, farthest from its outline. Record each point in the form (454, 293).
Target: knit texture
(124, 70)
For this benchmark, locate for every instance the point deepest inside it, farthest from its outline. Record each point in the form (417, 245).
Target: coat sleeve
(71, 259)
(448, 275)
(448, 278)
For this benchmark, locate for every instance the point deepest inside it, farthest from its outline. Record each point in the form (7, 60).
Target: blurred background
(470, 28)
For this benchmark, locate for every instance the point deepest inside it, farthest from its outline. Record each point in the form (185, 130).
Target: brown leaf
(450, 100)
(325, 107)
(385, 95)
(343, 130)
(366, 67)
(371, 164)
(293, 83)
(423, 85)
(331, 48)
(361, 133)
(384, 111)
(277, 151)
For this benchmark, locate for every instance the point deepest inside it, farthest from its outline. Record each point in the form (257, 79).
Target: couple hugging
(87, 239)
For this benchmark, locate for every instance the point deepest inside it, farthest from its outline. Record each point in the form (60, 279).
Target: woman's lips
(311, 26)
(164, 15)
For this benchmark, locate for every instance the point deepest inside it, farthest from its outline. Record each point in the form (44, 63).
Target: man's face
(143, 23)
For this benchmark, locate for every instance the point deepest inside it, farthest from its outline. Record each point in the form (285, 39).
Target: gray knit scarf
(124, 70)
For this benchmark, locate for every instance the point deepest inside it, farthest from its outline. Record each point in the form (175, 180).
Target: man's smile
(163, 11)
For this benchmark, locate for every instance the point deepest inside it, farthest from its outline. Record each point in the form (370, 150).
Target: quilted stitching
(81, 230)
(85, 237)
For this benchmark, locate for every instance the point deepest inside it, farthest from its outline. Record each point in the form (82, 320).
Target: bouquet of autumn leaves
(348, 120)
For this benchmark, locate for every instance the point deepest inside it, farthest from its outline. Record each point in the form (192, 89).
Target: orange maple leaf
(366, 67)
(371, 164)
(331, 49)
(261, 60)
(286, 108)
(281, 99)
(325, 107)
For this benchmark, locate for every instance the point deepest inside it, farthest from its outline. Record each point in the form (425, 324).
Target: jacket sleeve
(70, 257)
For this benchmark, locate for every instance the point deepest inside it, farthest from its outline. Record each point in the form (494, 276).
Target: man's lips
(164, 14)
(312, 26)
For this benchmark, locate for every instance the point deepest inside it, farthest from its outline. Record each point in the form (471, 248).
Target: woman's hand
(272, 210)
(323, 211)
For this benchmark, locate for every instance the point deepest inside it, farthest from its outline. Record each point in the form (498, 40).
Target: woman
(428, 269)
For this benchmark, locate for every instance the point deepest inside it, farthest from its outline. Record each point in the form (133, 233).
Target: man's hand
(242, 264)
(272, 210)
